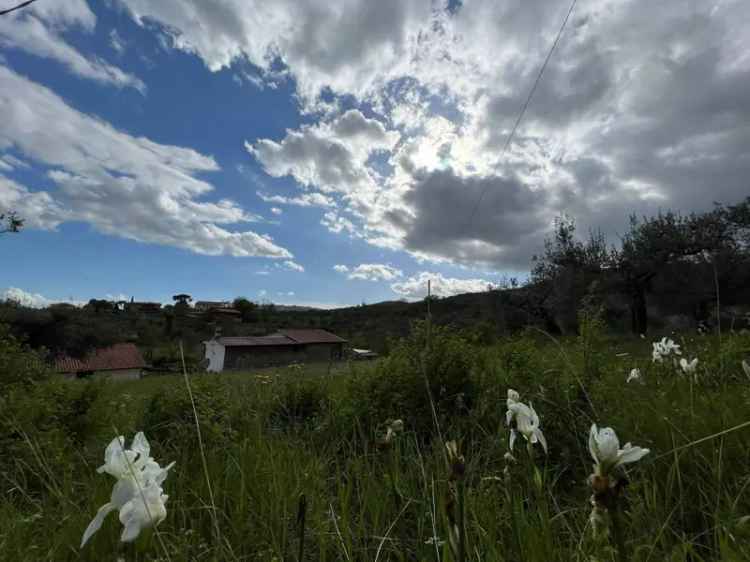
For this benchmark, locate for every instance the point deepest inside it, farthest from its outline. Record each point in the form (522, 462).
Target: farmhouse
(121, 361)
(205, 306)
(281, 348)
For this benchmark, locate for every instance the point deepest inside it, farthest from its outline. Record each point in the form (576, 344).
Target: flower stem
(617, 534)
(461, 522)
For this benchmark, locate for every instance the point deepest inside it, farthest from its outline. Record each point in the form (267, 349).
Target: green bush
(397, 387)
(19, 365)
(169, 418)
(297, 403)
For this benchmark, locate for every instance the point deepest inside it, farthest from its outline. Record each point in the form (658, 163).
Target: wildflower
(635, 375)
(137, 494)
(605, 450)
(664, 348)
(688, 366)
(527, 421)
(394, 428)
(606, 484)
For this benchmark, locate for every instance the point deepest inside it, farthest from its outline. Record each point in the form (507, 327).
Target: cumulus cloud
(276, 211)
(31, 300)
(347, 47)
(638, 110)
(37, 30)
(293, 266)
(370, 272)
(124, 186)
(415, 287)
(309, 199)
(331, 156)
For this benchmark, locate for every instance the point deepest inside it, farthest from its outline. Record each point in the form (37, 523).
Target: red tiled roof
(116, 357)
(312, 336)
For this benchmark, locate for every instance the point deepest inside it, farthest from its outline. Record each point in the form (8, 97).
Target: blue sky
(308, 153)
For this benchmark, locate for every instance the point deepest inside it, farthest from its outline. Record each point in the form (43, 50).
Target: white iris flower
(635, 375)
(137, 494)
(605, 450)
(688, 367)
(527, 421)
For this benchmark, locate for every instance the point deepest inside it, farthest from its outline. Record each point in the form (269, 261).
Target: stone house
(281, 348)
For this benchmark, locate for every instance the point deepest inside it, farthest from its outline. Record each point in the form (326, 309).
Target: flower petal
(512, 439)
(631, 454)
(97, 521)
(542, 440)
(593, 449)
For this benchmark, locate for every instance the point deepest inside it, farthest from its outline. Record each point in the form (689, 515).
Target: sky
(333, 153)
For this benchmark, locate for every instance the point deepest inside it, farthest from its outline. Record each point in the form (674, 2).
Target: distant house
(204, 306)
(363, 354)
(281, 348)
(121, 361)
(143, 307)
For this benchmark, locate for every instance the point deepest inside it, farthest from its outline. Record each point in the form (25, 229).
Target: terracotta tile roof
(312, 336)
(116, 357)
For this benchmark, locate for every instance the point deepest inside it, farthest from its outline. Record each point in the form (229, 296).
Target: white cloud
(124, 186)
(374, 272)
(276, 211)
(31, 300)
(415, 287)
(289, 264)
(349, 47)
(331, 156)
(307, 199)
(637, 110)
(37, 208)
(339, 268)
(36, 30)
(117, 42)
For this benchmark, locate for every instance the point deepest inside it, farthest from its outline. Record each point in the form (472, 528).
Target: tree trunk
(638, 313)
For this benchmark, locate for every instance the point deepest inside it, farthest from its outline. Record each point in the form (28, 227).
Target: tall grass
(269, 438)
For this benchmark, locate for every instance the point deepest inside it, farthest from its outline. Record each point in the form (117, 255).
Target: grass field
(270, 438)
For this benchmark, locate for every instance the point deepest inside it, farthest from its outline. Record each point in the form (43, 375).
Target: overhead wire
(525, 105)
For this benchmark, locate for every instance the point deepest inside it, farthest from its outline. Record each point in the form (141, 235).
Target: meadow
(300, 462)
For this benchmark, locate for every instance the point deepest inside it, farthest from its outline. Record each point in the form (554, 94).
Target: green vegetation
(273, 437)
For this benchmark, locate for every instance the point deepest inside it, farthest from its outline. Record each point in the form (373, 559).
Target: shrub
(19, 364)
(297, 403)
(170, 420)
(397, 389)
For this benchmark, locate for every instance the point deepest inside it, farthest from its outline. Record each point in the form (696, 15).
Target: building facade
(282, 348)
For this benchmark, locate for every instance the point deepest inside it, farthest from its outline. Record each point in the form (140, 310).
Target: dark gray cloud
(444, 222)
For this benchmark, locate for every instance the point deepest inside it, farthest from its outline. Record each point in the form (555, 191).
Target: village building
(281, 348)
(363, 354)
(122, 361)
(204, 306)
(143, 307)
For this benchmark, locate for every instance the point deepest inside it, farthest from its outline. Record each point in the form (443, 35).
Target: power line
(14, 8)
(525, 104)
